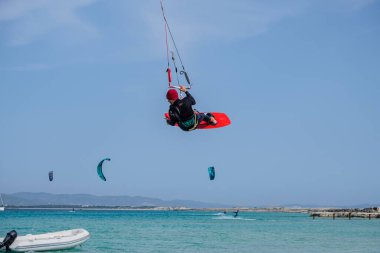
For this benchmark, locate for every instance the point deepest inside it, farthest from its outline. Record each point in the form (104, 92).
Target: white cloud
(27, 21)
(223, 21)
(198, 21)
(193, 22)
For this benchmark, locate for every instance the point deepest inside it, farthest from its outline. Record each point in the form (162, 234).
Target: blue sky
(300, 80)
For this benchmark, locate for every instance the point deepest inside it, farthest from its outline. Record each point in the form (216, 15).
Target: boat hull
(50, 241)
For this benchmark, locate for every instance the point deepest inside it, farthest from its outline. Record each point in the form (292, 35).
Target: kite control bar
(182, 72)
(169, 71)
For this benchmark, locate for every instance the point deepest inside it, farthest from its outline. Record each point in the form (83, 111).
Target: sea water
(201, 231)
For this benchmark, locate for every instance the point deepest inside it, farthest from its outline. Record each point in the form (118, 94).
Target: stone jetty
(367, 213)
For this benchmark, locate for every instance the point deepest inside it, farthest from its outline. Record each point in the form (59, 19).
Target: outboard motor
(9, 239)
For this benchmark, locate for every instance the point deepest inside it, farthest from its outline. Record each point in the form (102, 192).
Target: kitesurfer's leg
(211, 119)
(208, 117)
(200, 116)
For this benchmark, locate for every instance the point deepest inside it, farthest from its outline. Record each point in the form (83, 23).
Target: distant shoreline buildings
(367, 213)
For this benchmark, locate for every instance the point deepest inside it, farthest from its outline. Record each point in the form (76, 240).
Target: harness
(190, 124)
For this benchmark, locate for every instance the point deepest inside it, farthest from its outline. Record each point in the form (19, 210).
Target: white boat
(50, 241)
(2, 207)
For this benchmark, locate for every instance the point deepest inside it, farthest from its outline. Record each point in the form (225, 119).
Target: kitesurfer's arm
(173, 116)
(169, 122)
(189, 97)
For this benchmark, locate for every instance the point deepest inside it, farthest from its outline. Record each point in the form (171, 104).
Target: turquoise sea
(199, 231)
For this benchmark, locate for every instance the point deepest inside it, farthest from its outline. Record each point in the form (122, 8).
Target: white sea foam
(226, 217)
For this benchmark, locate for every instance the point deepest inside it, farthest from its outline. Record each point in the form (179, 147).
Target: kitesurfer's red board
(222, 119)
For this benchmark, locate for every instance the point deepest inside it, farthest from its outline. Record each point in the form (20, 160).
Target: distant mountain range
(47, 199)
(23, 199)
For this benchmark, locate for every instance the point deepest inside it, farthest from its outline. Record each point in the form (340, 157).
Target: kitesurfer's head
(172, 95)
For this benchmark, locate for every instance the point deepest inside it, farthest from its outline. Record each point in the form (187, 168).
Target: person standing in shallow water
(181, 111)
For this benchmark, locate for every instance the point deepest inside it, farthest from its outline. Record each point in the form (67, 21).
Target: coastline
(371, 212)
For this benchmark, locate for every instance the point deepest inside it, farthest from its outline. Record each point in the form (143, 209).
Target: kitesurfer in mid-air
(182, 113)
